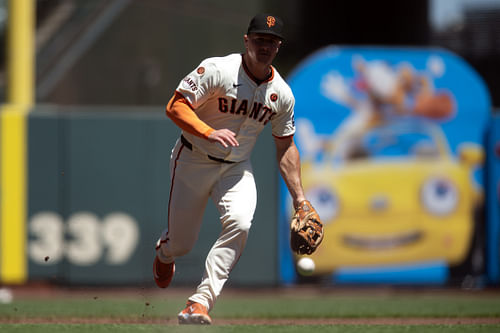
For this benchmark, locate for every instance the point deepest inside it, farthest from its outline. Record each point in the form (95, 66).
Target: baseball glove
(306, 229)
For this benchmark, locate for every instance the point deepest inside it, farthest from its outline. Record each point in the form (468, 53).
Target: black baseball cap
(266, 24)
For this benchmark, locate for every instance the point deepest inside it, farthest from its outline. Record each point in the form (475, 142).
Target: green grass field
(289, 310)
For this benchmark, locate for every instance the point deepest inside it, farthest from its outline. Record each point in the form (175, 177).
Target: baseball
(6, 296)
(305, 266)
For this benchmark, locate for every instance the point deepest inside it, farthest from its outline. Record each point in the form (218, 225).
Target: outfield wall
(97, 190)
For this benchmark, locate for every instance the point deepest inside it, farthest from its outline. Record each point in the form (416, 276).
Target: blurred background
(84, 163)
(133, 52)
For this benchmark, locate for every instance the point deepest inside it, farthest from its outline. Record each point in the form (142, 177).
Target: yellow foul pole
(20, 52)
(13, 140)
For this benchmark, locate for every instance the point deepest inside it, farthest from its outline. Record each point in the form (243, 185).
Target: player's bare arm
(288, 158)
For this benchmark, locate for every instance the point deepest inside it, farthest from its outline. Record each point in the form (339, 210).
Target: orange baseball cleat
(194, 313)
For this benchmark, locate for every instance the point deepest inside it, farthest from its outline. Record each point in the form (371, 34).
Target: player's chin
(265, 58)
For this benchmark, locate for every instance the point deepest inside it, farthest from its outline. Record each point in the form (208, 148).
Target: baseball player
(221, 107)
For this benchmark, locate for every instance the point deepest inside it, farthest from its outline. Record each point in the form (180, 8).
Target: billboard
(392, 152)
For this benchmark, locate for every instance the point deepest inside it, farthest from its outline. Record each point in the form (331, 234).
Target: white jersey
(223, 95)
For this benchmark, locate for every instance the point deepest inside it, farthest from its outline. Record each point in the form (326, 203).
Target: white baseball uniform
(223, 94)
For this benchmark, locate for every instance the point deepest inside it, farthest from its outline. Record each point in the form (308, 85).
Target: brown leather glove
(306, 229)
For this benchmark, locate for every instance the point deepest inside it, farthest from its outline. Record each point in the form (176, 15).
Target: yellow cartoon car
(395, 196)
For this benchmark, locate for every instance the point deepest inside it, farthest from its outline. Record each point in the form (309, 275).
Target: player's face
(262, 48)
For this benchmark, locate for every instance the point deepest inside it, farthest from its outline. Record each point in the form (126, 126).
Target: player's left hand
(225, 137)
(306, 229)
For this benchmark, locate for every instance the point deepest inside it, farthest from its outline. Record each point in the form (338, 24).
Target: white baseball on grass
(305, 266)
(6, 296)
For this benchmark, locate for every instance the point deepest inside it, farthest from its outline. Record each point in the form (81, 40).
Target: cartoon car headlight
(325, 202)
(439, 196)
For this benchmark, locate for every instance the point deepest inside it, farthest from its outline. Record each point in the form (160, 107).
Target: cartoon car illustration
(398, 196)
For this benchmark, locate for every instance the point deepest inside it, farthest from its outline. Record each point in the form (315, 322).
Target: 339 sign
(84, 239)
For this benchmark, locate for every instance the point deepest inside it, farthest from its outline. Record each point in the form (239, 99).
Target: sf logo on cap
(271, 21)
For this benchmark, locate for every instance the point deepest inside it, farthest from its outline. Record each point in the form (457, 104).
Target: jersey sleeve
(180, 112)
(199, 85)
(283, 123)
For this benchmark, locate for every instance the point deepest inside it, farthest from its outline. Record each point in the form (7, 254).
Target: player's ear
(246, 40)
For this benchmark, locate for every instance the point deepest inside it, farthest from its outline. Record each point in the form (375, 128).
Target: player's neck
(260, 72)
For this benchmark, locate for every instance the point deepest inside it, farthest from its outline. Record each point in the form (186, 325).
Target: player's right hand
(225, 137)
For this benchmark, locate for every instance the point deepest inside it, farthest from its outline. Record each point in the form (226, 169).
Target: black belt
(189, 146)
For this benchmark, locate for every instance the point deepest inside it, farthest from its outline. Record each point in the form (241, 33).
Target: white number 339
(83, 239)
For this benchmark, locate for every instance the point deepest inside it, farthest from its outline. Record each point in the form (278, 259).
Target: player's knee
(244, 227)
(239, 223)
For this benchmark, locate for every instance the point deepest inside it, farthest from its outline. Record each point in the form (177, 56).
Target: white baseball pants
(194, 179)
